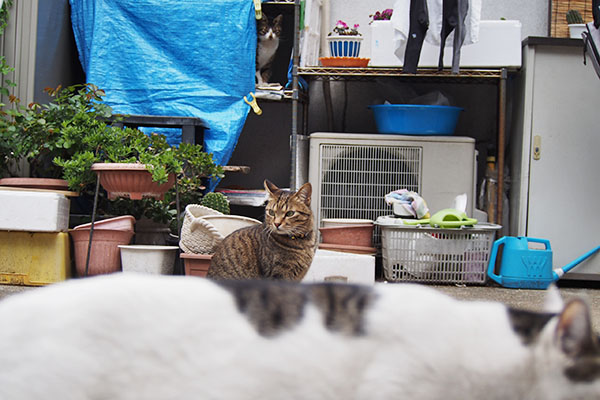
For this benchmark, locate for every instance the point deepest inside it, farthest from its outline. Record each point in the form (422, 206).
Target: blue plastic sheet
(193, 58)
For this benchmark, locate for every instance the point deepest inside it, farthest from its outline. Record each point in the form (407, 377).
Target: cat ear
(277, 19)
(271, 188)
(304, 193)
(574, 332)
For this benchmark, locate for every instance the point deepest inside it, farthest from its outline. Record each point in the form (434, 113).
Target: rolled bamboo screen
(558, 11)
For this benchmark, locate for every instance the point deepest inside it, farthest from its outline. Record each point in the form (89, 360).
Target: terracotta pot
(130, 180)
(36, 183)
(104, 257)
(122, 223)
(355, 235)
(196, 264)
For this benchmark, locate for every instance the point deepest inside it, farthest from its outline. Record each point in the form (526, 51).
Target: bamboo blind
(558, 12)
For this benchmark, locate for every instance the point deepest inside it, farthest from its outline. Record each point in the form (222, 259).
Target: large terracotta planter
(130, 180)
(104, 256)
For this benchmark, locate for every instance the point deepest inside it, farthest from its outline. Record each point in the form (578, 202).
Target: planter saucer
(355, 62)
(346, 248)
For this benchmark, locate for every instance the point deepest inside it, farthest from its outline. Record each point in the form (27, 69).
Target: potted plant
(344, 41)
(576, 24)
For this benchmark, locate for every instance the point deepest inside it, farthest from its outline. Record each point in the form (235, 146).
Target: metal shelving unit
(498, 76)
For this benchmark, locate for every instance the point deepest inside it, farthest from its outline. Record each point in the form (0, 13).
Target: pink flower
(356, 26)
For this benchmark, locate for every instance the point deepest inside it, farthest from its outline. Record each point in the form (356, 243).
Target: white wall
(533, 15)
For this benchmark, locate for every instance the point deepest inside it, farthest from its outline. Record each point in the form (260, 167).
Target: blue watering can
(527, 268)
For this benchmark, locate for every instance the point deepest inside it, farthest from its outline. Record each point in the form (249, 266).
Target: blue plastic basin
(413, 119)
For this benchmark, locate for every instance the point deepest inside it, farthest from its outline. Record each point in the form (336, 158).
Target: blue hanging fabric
(193, 58)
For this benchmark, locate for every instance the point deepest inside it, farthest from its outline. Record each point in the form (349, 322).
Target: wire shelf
(432, 74)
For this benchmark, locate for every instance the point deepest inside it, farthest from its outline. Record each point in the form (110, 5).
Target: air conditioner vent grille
(355, 178)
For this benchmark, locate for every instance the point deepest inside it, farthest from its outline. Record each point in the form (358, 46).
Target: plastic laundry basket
(435, 255)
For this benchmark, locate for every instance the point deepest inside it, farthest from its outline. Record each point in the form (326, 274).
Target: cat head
(565, 340)
(266, 29)
(574, 336)
(288, 213)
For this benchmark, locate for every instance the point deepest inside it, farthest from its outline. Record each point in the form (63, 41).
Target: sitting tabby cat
(281, 248)
(133, 336)
(268, 34)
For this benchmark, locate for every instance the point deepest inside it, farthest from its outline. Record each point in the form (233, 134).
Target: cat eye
(289, 213)
(271, 212)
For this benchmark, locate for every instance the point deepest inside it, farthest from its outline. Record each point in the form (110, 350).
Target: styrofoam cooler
(335, 266)
(33, 211)
(499, 45)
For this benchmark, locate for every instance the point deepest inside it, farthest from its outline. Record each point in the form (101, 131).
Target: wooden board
(558, 11)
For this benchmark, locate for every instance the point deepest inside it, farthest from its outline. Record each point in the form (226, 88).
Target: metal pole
(501, 145)
(89, 252)
(294, 184)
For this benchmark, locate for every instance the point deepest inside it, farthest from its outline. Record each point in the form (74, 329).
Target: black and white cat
(146, 337)
(268, 35)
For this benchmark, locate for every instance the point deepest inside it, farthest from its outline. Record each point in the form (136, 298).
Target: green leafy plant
(574, 17)
(66, 136)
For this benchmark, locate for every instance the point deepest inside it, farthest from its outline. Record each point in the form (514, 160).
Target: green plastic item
(451, 218)
(446, 218)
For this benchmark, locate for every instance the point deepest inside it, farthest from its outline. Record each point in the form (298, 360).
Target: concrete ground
(519, 298)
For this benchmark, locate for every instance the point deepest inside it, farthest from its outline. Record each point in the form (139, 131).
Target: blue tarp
(192, 58)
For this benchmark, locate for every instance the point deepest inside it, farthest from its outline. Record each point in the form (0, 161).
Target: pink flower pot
(105, 256)
(130, 180)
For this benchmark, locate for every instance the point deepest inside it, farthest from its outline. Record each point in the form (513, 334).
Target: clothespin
(252, 103)
(258, 9)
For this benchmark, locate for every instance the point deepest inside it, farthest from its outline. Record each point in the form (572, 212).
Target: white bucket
(148, 259)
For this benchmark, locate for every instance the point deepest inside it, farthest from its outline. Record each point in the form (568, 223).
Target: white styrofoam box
(499, 45)
(335, 266)
(33, 211)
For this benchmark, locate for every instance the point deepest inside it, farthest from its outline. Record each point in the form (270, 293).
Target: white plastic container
(335, 266)
(499, 45)
(33, 211)
(148, 259)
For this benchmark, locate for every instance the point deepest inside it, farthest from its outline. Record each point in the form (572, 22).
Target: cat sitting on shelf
(133, 336)
(268, 35)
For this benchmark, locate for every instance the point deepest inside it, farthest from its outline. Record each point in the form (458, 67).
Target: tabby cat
(268, 35)
(281, 248)
(132, 336)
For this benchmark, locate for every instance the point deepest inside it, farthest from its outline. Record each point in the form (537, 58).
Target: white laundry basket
(435, 255)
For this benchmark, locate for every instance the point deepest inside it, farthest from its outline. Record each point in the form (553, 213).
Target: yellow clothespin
(252, 103)
(258, 9)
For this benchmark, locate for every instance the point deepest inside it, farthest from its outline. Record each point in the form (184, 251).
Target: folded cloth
(409, 201)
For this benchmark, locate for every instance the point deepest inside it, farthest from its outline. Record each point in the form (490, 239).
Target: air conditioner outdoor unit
(351, 173)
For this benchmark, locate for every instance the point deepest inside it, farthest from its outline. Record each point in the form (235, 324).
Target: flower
(385, 15)
(341, 28)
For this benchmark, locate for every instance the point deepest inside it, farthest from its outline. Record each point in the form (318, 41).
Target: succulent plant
(216, 201)
(574, 17)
